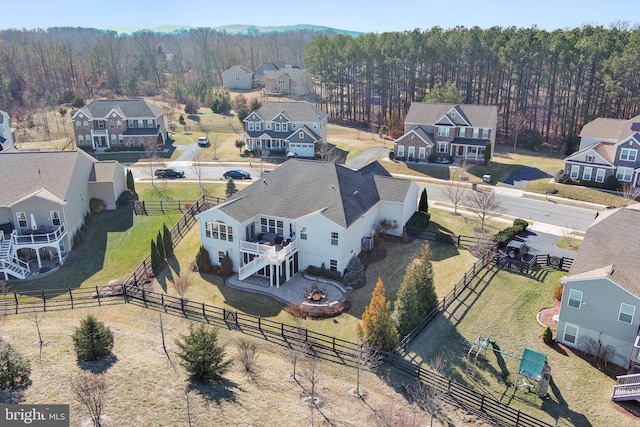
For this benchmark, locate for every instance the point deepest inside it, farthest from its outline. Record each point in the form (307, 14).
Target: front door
(460, 150)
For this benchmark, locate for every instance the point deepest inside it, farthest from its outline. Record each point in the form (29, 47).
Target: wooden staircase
(627, 388)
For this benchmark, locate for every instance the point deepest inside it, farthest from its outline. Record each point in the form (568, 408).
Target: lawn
(503, 307)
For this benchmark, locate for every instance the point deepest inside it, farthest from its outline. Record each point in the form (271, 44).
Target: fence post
(98, 295)
(15, 296)
(282, 328)
(465, 279)
(144, 297)
(124, 292)
(334, 343)
(71, 298)
(518, 418)
(44, 301)
(162, 300)
(458, 244)
(204, 312)
(182, 304)
(144, 208)
(259, 321)
(482, 402)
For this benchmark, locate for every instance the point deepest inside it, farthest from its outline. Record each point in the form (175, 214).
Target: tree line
(550, 82)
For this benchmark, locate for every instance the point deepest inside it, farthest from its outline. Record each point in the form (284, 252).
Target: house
(600, 307)
(287, 127)
(607, 147)
(7, 133)
(265, 67)
(237, 77)
(118, 124)
(447, 130)
(44, 199)
(287, 81)
(305, 213)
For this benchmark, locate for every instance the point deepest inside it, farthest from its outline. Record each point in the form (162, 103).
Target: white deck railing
(39, 237)
(269, 257)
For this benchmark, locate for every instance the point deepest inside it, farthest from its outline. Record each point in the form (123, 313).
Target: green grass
(177, 190)
(571, 244)
(576, 192)
(503, 307)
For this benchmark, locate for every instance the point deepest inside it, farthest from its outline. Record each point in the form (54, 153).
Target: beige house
(44, 200)
(287, 81)
(237, 77)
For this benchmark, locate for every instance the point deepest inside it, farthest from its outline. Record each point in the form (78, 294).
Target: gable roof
(295, 111)
(300, 187)
(420, 133)
(611, 248)
(129, 108)
(605, 150)
(475, 115)
(610, 129)
(37, 170)
(241, 68)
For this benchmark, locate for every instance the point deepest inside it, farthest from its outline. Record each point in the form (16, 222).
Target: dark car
(237, 174)
(169, 173)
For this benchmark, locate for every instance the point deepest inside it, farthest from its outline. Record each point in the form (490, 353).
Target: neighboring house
(288, 81)
(457, 130)
(600, 310)
(305, 213)
(44, 199)
(7, 133)
(292, 127)
(607, 147)
(265, 67)
(237, 77)
(119, 123)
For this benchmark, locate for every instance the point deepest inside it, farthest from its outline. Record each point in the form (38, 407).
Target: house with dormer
(608, 147)
(290, 127)
(112, 124)
(447, 130)
(305, 213)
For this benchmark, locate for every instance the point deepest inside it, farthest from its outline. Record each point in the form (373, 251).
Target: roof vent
(611, 270)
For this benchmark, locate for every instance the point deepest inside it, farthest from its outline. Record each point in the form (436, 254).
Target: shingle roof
(295, 111)
(241, 67)
(476, 115)
(27, 172)
(611, 248)
(300, 187)
(131, 108)
(103, 171)
(611, 129)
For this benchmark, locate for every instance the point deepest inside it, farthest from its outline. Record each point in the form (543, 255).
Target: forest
(550, 83)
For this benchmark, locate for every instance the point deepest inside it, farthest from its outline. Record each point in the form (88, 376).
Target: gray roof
(476, 115)
(611, 248)
(130, 108)
(295, 111)
(242, 68)
(26, 172)
(300, 187)
(103, 171)
(610, 129)
(418, 130)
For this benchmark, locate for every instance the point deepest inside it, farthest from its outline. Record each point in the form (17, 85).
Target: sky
(355, 15)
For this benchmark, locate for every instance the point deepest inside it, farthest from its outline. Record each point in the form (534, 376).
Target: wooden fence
(163, 207)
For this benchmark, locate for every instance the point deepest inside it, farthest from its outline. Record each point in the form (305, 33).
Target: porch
(38, 245)
(275, 259)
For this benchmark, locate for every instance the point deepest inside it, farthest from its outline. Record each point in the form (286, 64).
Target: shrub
(191, 107)
(14, 368)
(248, 355)
(557, 293)
(323, 272)
(354, 274)
(97, 206)
(520, 224)
(612, 183)
(77, 102)
(201, 355)
(508, 234)
(92, 340)
(226, 265)
(432, 158)
(124, 199)
(392, 155)
(419, 220)
(547, 335)
(202, 259)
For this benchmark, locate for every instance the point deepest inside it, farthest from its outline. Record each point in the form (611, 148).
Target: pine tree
(423, 205)
(160, 246)
(354, 274)
(231, 188)
(377, 328)
(487, 154)
(15, 367)
(156, 261)
(92, 340)
(226, 265)
(201, 355)
(167, 240)
(131, 186)
(202, 259)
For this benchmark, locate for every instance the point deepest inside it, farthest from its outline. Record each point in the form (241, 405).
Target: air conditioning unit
(367, 243)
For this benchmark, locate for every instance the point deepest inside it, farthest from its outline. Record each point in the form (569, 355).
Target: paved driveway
(519, 178)
(542, 244)
(367, 155)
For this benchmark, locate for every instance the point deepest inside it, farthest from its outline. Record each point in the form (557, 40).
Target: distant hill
(238, 28)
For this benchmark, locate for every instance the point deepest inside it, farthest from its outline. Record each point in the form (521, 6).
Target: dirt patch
(545, 317)
(299, 310)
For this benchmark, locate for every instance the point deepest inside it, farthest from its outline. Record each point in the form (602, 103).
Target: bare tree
(485, 204)
(248, 356)
(215, 144)
(90, 390)
(465, 165)
(181, 284)
(198, 166)
(630, 192)
(366, 357)
(327, 152)
(164, 344)
(313, 372)
(456, 194)
(567, 233)
(428, 397)
(298, 346)
(37, 317)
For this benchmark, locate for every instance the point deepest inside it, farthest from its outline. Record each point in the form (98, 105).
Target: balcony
(268, 254)
(42, 236)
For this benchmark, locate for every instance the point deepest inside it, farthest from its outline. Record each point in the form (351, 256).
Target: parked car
(516, 249)
(169, 173)
(203, 141)
(236, 174)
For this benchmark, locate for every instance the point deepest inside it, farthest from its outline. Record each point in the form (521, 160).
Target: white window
(586, 173)
(453, 114)
(412, 152)
(590, 159)
(303, 233)
(119, 124)
(570, 333)
(334, 238)
(237, 77)
(140, 123)
(575, 171)
(78, 124)
(600, 175)
(462, 132)
(422, 152)
(141, 142)
(575, 298)
(267, 125)
(443, 131)
(333, 264)
(85, 124)
(400, 150)
(150, 123)
(100, 124)
(624, 174)
(443, 147)
(301, 135)
(120, 139)
(112, 124)
(22, 219)
(276, 127)
(285, 127)
(131, 142)
(628, 154)
(250, 126)
(315, 126)
(627, 311)
(476, 132)
(113, 138)
(263, 225)
(55, 217)
(80, 140)
(485, 133)
(258, 126)
(132, 123)
(220, 256)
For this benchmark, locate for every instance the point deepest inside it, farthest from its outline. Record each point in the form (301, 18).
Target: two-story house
(288, 81)
(607, 147)
(305, 213)
(237, 77)
(293, 127)
(7, 133)
(113, 123)
(458, 130)
(599, 311)
(44, 199)
(265, 67)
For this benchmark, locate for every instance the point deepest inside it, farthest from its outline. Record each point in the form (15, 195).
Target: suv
(516, 249)
(169, 173)
(203, 141)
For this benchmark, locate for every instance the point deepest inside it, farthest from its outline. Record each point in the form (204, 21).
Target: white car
(203, 141)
